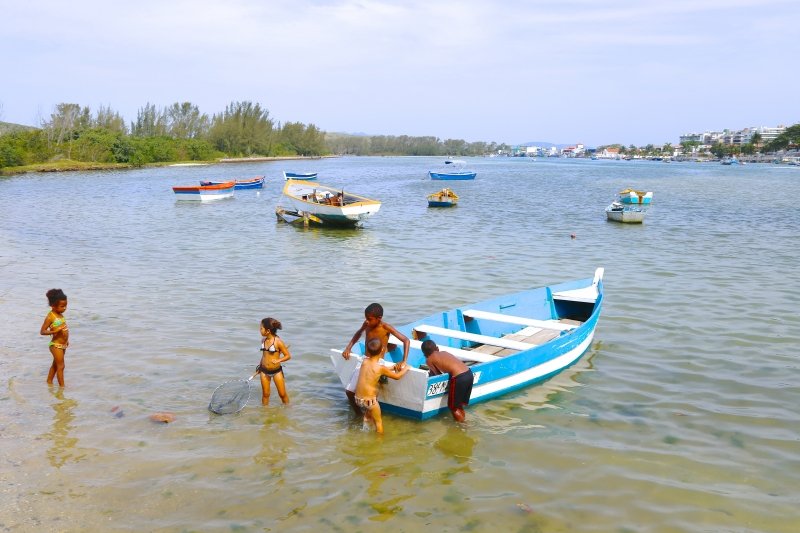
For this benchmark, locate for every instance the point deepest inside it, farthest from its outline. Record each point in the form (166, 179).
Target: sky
(566, 72)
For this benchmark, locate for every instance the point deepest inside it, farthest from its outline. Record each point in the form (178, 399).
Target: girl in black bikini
(273, 353)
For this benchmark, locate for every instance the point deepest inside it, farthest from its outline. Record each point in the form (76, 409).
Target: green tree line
(179, 132)
(344, 144)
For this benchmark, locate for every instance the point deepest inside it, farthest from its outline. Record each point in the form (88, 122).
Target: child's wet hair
(271, 325)
(374, 309)
(54, 296)
(428, 347)
(374, 347)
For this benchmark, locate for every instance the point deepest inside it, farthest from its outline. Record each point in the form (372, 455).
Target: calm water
(683, 416)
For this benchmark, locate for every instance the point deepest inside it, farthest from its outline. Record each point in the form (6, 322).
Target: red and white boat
(205, 193)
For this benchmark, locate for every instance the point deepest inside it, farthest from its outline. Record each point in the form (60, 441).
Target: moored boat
(444, 198)
(629, 214)
(322, 204)
(307, 176)
(205, 193)
(632, 196)
(454, 170)
(508, 342)
(254, 183)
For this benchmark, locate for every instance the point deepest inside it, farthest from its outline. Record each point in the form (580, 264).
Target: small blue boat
(254, 183)
(454, 171)
(509, 342)
(299, 175)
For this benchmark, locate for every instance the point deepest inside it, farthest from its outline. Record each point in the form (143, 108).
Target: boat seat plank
(472, 337)
(522, 321)
(485, 348)
(464, 355)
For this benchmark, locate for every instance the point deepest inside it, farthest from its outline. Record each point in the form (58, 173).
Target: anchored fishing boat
(444, 198)
(453, 171)
(508, 342)
(205, 193)
(629, 214)
(254, 183)
(313, 202)
(632, 196)
(299, 175)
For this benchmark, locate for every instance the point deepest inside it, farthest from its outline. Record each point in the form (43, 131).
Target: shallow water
(681, 417)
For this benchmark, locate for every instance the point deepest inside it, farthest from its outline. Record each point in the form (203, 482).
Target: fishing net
(230, 397)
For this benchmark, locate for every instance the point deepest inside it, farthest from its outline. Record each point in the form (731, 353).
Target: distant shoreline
(77, 166)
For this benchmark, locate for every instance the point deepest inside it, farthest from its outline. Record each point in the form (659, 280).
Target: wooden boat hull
(307, 176)
(318, 203)
(204, 193)
(451, 176)
(255, 183)
(567, 313)
(627, 215)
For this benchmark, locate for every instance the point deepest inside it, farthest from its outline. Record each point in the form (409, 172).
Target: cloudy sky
(628, 71)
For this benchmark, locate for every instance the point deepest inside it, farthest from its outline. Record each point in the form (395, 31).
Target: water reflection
(458, 443)
(63, 446)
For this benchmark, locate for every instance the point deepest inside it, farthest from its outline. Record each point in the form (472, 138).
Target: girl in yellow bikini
(54, 324)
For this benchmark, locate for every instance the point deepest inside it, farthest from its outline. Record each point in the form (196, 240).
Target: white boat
(205, 193)
(629, 214)
(313, 202)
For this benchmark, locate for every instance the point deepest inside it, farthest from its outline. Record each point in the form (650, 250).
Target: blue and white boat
(632, 196)
(299, 175)
(509, 342)
(730, 161)
(254, 183)
(453, 171)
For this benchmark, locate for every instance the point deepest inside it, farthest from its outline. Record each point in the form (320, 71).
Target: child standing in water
(369, 375)
(273, 353)
(374, 328)
(54, 324)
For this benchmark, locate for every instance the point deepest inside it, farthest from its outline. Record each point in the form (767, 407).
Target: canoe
(254, 183)
(205, 193)
(313, 202)
(509, 342)
(629, 214)
(632, 196)
(443, 198)
(299, 175)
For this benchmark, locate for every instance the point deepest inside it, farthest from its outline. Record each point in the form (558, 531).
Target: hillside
(6, 127)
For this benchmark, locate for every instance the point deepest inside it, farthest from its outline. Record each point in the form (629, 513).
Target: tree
(184, 121)
(755, 140)
(66, 122)
(243, 128)
(149, 122)
(110, 120)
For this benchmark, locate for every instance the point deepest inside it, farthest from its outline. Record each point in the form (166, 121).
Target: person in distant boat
(54, 324)
(461, 378)
(374, 328)
(370, 373)
(273, 353)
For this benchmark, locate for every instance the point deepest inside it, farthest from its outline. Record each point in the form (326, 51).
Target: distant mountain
(6, 127)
